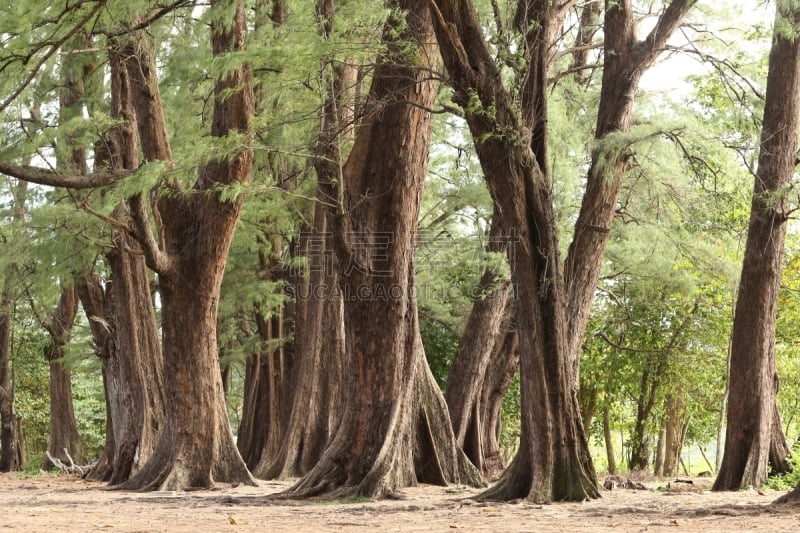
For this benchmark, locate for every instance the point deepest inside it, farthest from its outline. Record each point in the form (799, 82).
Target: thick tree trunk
(64, 437)
(400, 435)
(196, 447)
(126, 333)
(753, 378)
(139, 359)
(317, 374)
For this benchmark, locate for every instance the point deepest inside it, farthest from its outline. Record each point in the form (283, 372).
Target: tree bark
(753, 376)
(505, 362)
(779, 451)
(394, 431)
(98, 307)
(64, 437)
(196, 447)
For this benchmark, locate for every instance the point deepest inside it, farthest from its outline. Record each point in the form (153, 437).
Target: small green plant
(789, 480)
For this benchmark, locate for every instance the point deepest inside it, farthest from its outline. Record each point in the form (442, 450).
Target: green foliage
(791, 479)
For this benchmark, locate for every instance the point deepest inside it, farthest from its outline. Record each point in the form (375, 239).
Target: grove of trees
(510, 244)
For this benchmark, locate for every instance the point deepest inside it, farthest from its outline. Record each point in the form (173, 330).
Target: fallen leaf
(761, 492)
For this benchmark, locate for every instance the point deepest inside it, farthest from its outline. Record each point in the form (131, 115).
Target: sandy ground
(54, 503)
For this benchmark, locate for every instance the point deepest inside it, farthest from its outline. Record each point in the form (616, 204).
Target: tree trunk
(505, 362)
(675, 431)
(658, 462)
(319, 352)
(132, 361)
(609, 441)
(64, 438)
(98, 307)
(9, 440)
(271, 375)
(139, 358)
(317, 373)
(472, 358)
(553, 461)
(11, 445)
(588, 26)
(400, 435)
(779, 451)
(196, 447)
(753, 378)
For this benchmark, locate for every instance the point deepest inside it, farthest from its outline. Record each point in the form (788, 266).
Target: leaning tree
(753, 376)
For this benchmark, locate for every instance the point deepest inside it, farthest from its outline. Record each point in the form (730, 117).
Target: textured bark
(753, 377)
(400, 435)
(262, 411)
(626, 59)
(779, 450)
(473, 355)
(139, 359)
(124, 325)
(553, 462)
(64, 437)
(319, 353)
(196, 446)
(505, 362)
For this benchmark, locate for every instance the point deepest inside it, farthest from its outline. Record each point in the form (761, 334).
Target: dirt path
(62, 503)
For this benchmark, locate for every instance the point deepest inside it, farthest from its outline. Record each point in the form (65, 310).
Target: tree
(64, 439)
(197, 230)
(393, 431)
(482, 332)
(753, 378)
(318, 353)
(11, 451)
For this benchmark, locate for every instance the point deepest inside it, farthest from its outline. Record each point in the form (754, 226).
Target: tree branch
(156, 259)
(54, 179)
(672, 17)
(53, 49)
